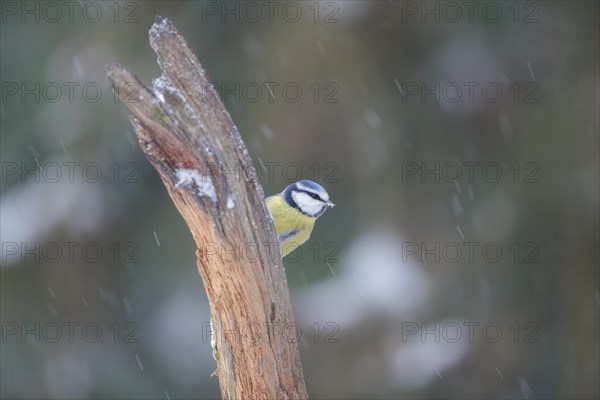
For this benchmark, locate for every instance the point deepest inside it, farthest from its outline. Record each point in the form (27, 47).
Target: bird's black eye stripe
(311, 194)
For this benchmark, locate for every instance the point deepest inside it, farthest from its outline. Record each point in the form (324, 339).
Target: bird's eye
(314, 196)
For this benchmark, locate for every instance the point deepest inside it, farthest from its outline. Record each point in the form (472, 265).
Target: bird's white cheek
(307, 204)
(313, 209)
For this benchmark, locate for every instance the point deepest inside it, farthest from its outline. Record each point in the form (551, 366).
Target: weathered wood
(189, 137)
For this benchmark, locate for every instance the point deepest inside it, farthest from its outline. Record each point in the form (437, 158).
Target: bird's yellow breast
(292, 227)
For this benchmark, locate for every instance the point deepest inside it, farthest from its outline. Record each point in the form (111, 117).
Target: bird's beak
(330, 204)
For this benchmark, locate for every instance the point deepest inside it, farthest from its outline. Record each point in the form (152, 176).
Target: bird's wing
(282, 237)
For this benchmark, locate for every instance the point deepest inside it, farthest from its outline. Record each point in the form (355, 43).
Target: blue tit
(294, 212)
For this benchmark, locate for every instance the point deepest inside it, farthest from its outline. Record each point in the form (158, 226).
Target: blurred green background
(100, 296)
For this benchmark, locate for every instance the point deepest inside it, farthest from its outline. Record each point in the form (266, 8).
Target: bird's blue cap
(311, 185)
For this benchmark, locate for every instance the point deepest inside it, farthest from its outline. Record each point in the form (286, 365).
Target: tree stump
(188, 136)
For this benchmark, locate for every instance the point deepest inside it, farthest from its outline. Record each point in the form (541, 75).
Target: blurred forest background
(459, 143)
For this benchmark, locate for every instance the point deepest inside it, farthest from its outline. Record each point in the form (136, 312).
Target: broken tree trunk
(189, 137)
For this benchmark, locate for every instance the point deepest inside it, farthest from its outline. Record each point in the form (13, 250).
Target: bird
(294, 212)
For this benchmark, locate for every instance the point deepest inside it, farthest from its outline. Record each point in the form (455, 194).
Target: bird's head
(308, 197)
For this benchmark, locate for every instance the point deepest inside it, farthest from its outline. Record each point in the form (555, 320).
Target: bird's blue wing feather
(286, 235)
